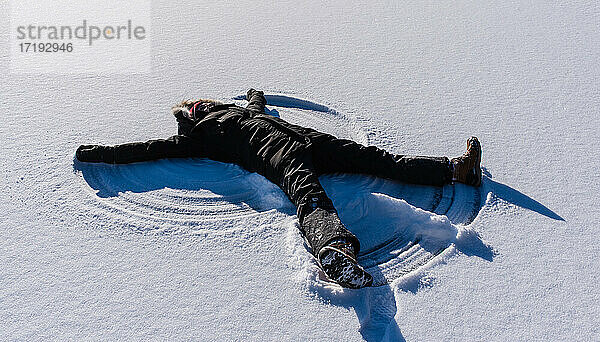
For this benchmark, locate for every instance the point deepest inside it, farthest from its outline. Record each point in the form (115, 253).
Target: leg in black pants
(297, 174)
(294, 173)
(331, 155)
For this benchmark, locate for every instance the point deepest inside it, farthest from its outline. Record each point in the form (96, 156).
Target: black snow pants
(297, 174)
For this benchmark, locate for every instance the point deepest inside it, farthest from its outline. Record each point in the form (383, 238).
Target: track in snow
(181, 195)
(388, 226)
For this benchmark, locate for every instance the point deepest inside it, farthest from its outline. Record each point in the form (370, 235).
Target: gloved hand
(95, 154)
(252, 92)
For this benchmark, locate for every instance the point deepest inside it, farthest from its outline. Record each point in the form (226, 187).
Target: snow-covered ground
(193, 249)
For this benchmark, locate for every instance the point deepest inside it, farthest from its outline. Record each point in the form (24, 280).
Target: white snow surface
(193, 249)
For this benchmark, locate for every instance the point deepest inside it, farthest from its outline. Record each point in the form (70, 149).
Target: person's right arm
(178, 146)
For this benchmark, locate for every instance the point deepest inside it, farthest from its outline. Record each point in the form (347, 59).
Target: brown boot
(466, 168)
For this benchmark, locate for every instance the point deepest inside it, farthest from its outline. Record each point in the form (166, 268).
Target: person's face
(199, 109)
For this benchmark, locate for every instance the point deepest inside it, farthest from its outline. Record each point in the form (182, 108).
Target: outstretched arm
(256, 100)
(178, 146)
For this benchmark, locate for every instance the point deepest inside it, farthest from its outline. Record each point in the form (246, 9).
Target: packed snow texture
(193, 249)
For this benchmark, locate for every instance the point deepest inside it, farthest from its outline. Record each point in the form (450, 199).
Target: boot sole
(343, 269)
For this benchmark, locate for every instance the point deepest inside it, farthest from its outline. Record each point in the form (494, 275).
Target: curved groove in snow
(181, 194)
(401, 227)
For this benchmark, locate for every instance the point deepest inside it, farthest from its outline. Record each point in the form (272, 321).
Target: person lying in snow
(292, 157)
